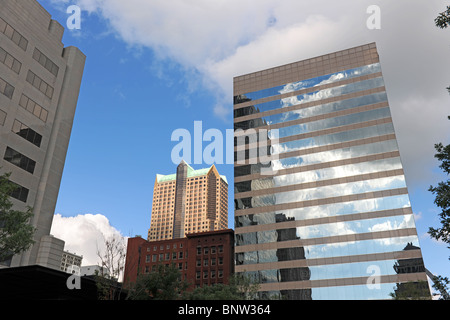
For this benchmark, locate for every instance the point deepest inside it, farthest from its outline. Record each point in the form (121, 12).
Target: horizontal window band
(306, 105)
(345, 112)
(255, 82)
(251, 132)
(320, 183)
(304, 263)
(301, 152)
(327, 240)
(317, 133)
(301, 92)
(329, 231)
(304, 90)
(307, 284)
(344, 171)
(272, 154)
(324, 220)
(322, 165)
(318, 202)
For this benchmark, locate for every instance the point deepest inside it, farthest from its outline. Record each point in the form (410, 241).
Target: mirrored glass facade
(328, 216)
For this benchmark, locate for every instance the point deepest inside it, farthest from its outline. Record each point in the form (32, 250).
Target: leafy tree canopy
(16, 232)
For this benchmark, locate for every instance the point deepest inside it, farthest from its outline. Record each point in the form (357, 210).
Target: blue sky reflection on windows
(330, 210)
(313, 82)
(341, 249)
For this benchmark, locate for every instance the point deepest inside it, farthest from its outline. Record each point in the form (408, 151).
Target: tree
(441, 285)
(164, 283)
(16, 232)
(240, 287)
(112, 267)
(442, 191)
(443, 21)
(442, 200)
(411, 291)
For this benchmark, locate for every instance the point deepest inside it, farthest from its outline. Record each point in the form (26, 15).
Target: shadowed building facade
(327, 214)
(40, 82)
(203, 259)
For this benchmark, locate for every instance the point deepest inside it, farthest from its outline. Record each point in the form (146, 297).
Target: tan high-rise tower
(189, 201)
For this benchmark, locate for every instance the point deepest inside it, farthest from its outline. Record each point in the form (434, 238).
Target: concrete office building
(71, 262)
(329, 217)
(188, 201)
(39, 85)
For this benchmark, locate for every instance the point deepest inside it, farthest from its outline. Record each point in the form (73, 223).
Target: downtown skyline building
(40, 82)
(202, 258)
(322, 209)
(188, 201)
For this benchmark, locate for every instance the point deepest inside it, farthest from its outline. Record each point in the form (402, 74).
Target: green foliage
(442, 200)
(107, 288)
(165, 284)
(240, 287)
(441, 285)
(16, 233)
(162, 284)
(442, 193)
(411, 291)
(443, 20)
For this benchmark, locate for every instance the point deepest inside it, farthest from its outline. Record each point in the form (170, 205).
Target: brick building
(205, 258)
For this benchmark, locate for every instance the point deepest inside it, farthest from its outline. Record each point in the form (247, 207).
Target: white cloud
(84, 235)
(418, 216)
(214, 41)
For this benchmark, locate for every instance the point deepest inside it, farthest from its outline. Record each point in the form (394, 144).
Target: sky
(157, 66)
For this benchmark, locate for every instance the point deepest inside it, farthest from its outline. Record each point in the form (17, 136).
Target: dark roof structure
(41, 283)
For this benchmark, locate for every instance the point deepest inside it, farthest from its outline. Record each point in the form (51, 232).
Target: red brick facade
(203, 258)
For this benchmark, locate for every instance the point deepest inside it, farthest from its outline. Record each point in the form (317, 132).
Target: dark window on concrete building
(28, 134)
(20, 160)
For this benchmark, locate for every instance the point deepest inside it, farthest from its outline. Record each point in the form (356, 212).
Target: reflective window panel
(319, 175)
(351, 292)
(304, 84)
(341, 249)
(328, 210)
(327, 230)
(320, 157)
(285, 116)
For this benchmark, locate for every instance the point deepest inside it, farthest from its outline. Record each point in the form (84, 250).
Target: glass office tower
(321, 205)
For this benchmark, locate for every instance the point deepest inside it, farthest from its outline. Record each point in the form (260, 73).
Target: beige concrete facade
(40, 81)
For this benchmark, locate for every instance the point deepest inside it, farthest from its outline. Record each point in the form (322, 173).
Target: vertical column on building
(180, 201)
(211, 212)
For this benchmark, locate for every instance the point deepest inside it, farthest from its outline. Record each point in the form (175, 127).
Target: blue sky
(156, 66)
